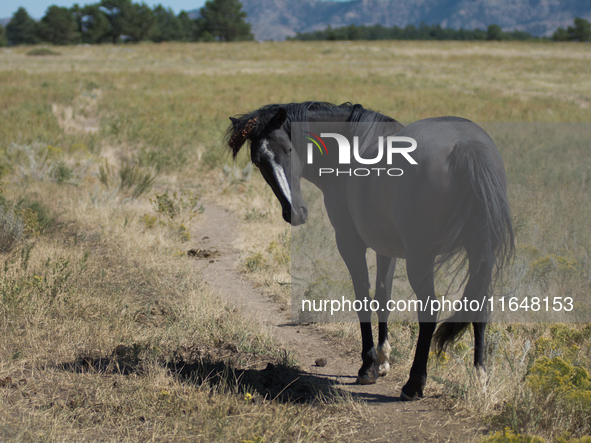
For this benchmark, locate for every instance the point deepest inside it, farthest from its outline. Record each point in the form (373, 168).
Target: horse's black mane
(248, 126)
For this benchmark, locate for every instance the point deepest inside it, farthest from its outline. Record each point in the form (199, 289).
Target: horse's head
(272, 152)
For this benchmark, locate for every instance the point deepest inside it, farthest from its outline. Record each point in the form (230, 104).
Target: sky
(37, 8)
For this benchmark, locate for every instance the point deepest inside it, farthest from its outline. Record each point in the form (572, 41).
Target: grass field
(106, 154)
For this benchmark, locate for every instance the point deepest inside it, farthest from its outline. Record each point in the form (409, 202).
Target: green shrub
(553, 264)
(61, 173)
(586, 439)
(27, 218)
(42, 51)
(148, 220)
(562, 393)
(185, 205)
(38, 218)
(255, 262)
(508, 436)
(557, 378)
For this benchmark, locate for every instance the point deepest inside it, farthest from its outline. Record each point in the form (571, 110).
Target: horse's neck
(310, 172)
(330, 117)
(319, 173)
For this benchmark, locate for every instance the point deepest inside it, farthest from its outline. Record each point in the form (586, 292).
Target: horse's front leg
(385, 274)
(353, 253)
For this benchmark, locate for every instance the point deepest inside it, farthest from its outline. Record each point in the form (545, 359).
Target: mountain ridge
(278, 19)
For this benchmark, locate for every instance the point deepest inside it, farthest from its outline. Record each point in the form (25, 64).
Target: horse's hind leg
(420, 275)
(480, 265)
(478, 288)
(479, 328)
(385, 274)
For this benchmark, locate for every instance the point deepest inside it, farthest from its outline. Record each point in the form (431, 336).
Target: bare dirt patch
(82, 116)
(388, 419)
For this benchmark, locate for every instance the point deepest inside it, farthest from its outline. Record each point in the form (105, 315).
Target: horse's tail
(480, 223)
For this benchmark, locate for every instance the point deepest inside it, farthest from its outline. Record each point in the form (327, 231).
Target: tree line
(118, 21)
(581, 31)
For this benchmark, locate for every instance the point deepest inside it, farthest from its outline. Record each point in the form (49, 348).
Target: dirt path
(390, 420)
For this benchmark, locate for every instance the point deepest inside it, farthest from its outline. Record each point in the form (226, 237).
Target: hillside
(278, 19)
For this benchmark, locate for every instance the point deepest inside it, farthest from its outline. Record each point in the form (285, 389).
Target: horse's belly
(390, 245)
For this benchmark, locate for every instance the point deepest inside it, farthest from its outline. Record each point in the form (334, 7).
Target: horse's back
(436, 137)
(393, 212)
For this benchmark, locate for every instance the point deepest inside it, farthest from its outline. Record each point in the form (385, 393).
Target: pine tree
(581, 31)
(561, 35)
(22, 29)
(223, 20)
(170, 27)
(494, 32)
(93, 24)
(140, 22)
(117, 12)
(186, 27)
(167, 25)
(3, 39)
(58, 26)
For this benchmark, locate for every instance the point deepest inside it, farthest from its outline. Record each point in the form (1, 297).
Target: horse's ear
(279, 118)
(234, 121)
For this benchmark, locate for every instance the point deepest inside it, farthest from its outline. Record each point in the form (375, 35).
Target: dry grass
(88, 355)
(109, 334)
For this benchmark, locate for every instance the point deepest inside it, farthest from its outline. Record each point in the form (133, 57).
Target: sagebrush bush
(11, 228)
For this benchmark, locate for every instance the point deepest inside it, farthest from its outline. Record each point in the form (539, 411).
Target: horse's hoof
(366, 380)
(367, 377)
(407, 394)
(404, 397)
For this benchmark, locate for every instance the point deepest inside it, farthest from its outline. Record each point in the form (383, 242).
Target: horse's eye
(257, 164)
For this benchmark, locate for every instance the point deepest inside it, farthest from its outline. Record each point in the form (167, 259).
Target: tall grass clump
(129, 178)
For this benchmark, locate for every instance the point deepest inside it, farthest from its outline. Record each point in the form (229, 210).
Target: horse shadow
(278, 381)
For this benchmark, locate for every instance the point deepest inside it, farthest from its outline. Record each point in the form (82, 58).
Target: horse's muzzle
(295, 217)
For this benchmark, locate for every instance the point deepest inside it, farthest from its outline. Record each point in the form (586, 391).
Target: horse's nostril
(304, 211)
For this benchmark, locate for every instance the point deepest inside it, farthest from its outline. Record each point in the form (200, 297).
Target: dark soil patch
(203, 254)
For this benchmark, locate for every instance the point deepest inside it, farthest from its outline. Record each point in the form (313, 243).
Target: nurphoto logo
(393, 145)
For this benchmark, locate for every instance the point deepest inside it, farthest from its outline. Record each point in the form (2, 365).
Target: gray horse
(447, 195)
